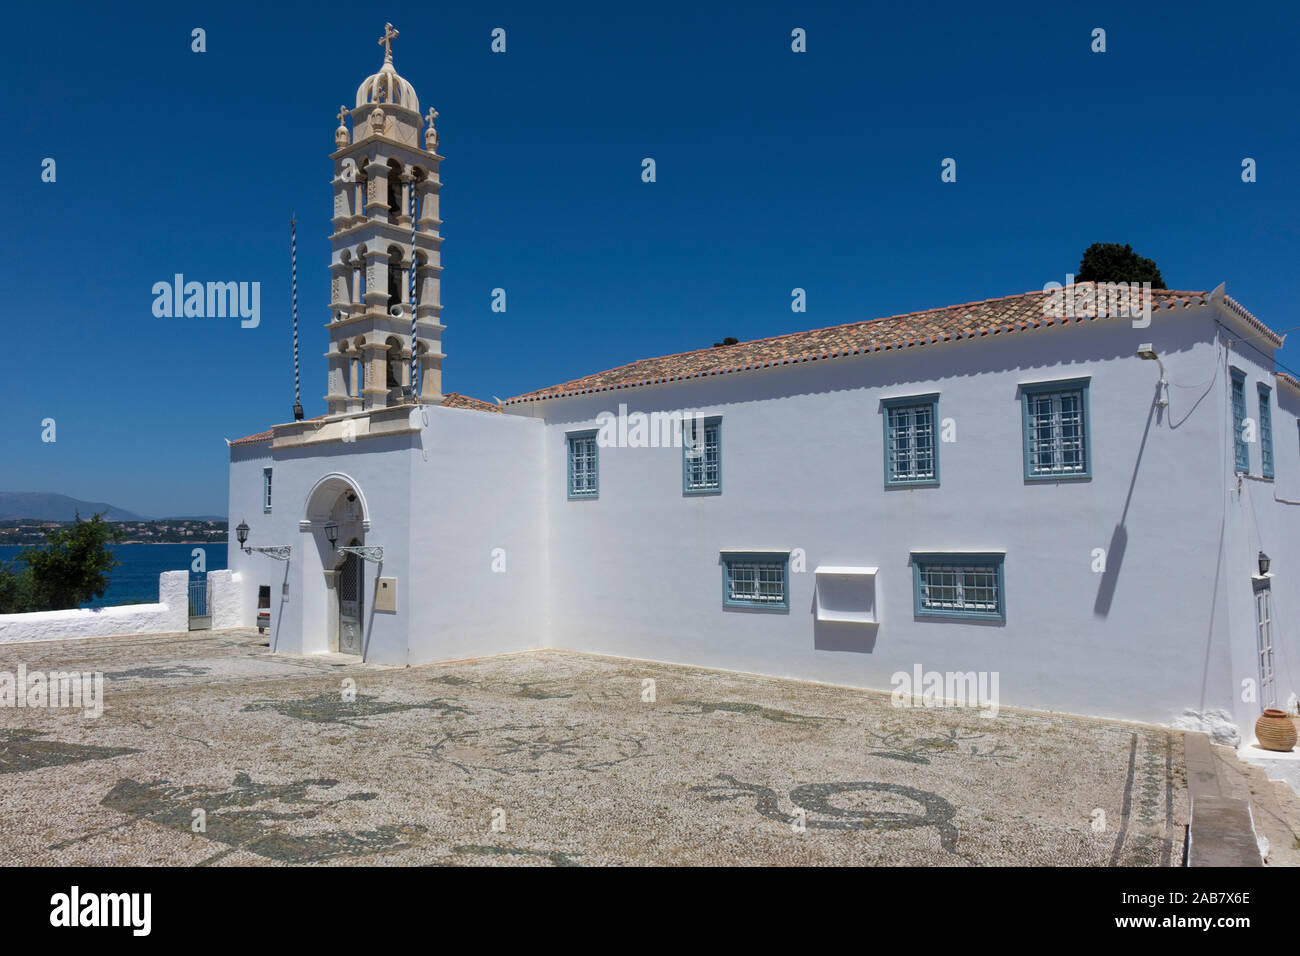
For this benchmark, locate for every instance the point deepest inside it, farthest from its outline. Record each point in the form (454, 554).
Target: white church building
(1101, 510)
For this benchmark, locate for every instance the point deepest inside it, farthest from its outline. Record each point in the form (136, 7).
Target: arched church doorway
(351, 602)
(334, 582)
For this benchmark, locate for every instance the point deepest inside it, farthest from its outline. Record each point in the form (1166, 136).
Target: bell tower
(385, 350)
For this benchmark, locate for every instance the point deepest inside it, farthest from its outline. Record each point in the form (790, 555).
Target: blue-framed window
(1265, 431)
(584, 464)
(756, 579)
(702, 456)
(1055, 423)
(911, 452)
(1240, 448)
(266, 490)
(959, 585)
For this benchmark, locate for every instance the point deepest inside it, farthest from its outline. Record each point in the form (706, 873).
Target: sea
(135, 579)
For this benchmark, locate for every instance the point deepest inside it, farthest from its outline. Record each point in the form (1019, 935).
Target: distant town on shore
(28, 531)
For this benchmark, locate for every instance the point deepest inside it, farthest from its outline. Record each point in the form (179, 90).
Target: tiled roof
(263, 436)
(1289, 381)
(457, 400)
(971, 320)
(451, 400)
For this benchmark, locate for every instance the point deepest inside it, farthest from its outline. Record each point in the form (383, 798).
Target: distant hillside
(42, 506)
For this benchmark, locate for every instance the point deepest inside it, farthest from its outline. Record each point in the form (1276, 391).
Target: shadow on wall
(1114, 557)
(839, 636)
(1119, 538)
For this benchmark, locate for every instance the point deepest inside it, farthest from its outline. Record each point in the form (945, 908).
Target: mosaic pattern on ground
(553, 759)
(25, 750)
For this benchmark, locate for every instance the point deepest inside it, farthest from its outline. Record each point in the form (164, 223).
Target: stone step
(1221, 831)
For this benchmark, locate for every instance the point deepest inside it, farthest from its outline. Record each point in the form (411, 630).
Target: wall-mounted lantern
(279, 552)
(1264, 562)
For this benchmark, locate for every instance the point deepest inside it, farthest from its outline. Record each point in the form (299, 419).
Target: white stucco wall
(1255, 520)
(171, 613)
(225, 599)
(479, 568)
(439, 502)
(380, 469)
(636, 572)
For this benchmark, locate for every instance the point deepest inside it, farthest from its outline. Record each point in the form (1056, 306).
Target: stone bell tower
(380, 167)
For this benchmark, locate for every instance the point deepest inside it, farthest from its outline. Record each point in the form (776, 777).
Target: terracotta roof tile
(263, 436)
(969, 320)
(457, 400)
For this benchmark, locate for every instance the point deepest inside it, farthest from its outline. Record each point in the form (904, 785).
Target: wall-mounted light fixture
(365, 553)
(1147, 351)
(279, 552)
(1264, 562)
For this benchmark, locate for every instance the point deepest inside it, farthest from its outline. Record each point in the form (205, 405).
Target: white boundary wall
(171, 613)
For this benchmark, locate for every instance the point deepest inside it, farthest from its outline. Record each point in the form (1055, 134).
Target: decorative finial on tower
(341, 134)
(386, 41)
(431, 134)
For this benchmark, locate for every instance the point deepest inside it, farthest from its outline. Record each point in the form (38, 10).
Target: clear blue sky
(775, 170)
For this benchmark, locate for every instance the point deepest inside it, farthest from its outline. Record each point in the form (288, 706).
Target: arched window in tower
(344, 292)
(395, 363)
(395, 276)
(423, 291)
(360, 378)
(360, 291)
(345, 369)
(395, 205)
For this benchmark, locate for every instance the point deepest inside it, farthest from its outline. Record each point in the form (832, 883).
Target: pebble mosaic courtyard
(212, 751)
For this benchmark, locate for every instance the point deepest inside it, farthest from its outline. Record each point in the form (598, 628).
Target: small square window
(756, 579)
(959, 585)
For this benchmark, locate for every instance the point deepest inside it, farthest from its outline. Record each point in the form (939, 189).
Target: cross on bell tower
(386, 41)
(382, 172)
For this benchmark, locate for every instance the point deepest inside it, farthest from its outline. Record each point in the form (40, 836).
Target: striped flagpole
(293, 268)
(415, 367)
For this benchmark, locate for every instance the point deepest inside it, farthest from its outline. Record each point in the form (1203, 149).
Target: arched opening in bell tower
(395, 277)
(394, 362)
(395, 205)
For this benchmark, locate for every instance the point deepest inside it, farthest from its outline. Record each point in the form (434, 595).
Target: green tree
(73, 566)
(15, 589)
(1111, 262)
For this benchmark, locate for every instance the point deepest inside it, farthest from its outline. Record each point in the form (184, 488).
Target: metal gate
(200, 618)
(350, 610)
